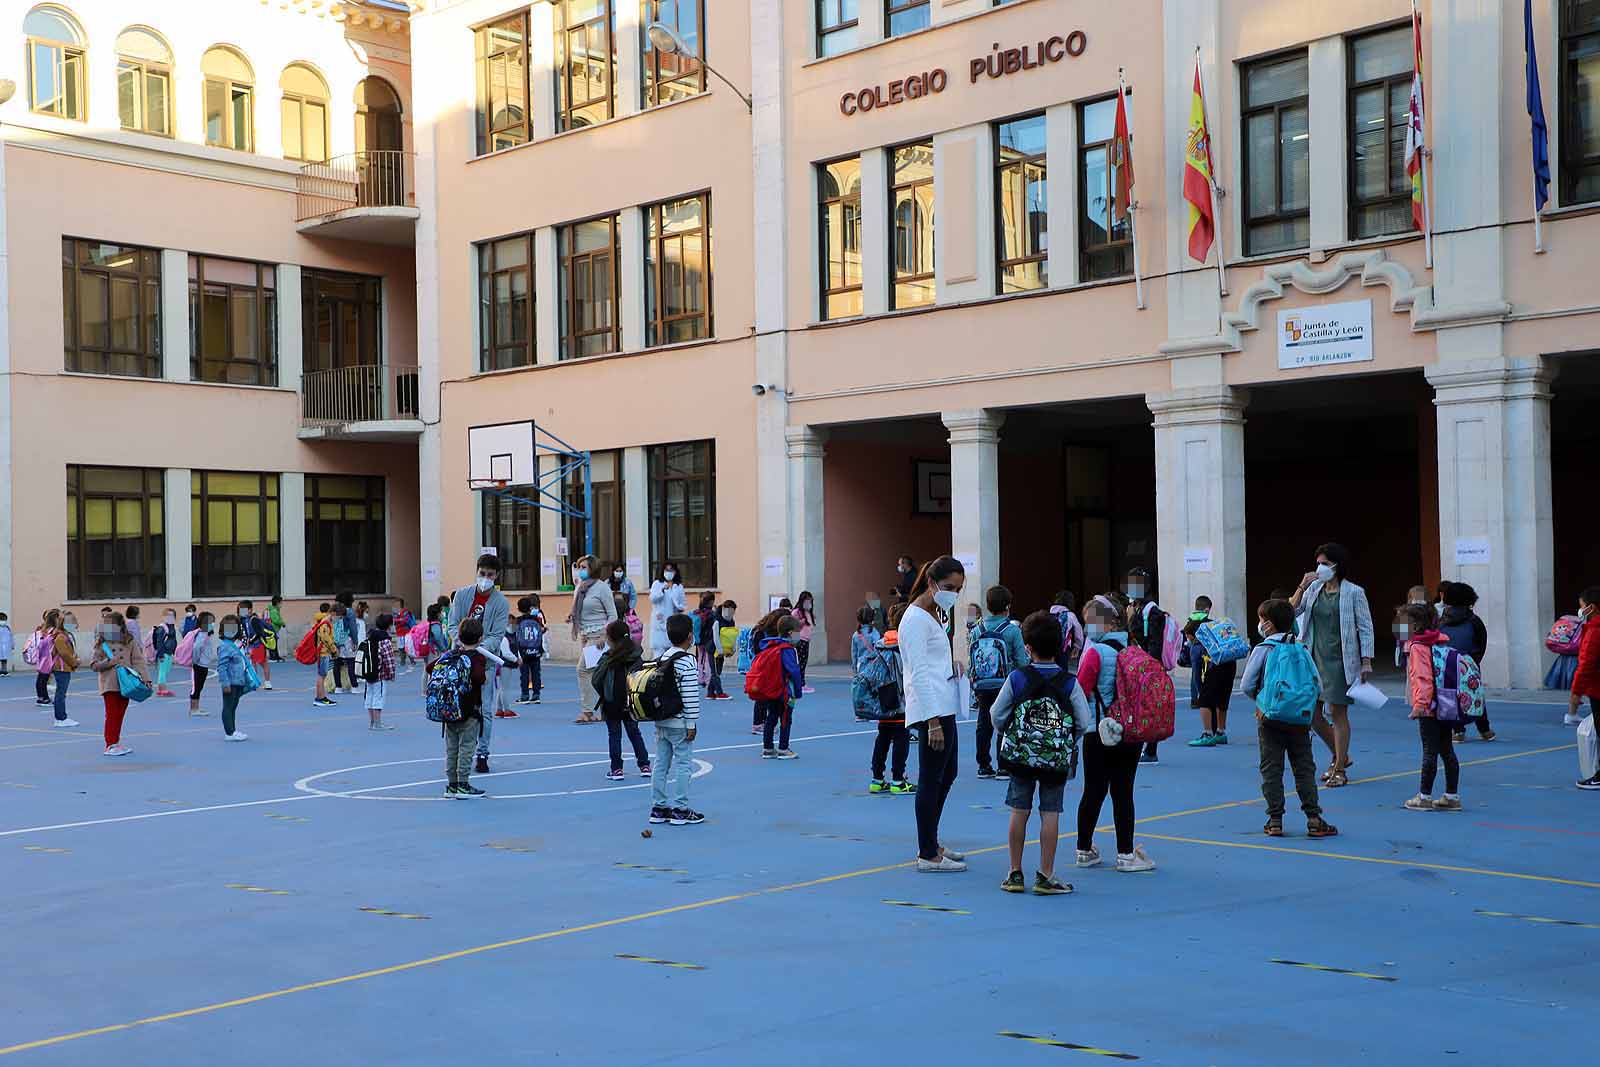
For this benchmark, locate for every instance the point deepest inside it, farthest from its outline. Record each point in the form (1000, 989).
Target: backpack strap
(1119, 646)
(1039, 682)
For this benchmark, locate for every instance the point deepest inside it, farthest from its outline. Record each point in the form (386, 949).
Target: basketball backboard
(501, 454)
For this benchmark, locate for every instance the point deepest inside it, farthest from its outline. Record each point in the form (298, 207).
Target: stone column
(630, 59)
(292, 533)
(974, 502)
(178, 532)
(1495, 529)
(174, 315)
(291, 332)
(630, 231)
(1200, 531)
(636, 517)
(807, 555)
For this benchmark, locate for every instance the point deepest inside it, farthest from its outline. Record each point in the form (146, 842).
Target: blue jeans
(491, 701)
(532, 680)
(614, 728)
(63, 679)
(776, 715)
(675, 756)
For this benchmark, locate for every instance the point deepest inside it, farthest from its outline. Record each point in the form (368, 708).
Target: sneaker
(1321, 828)
(467, 790)
(45, 704)
(1150, 760)
(659, 815)
(1590, 783)
(325, 702)
(1273, 826)
(1002, 775)
(988, 772)
(1459, 737)
(118, 750)
(685, 817)
(237, 735)
(644, 770)
(66, 724)
(163, 691)
(481, 765)
(1203, 741)
(386, 725)
(1487, 735)
(1447, 803)
(1220, 737)
(533, 700)
(1014, 883)
(453, 792)
(878, 785)
(902, 788)
(1090, 858)
(1135, 862)
(769, 753)
(943, 865)
(1570, 719)
(807, 689)
(1049, 886)
(522, 700)
(785, 753)
(1420, 802)
(200, 713)
(614, 776)
(755, 730)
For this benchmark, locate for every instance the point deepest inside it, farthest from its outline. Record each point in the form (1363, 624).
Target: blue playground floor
(306, 898)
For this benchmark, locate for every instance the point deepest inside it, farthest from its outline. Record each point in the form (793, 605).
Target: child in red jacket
(1436, 736)
(1586, 680)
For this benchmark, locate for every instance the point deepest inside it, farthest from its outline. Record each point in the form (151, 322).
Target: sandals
(1274, 828)
(586, 718)
(1335, 780)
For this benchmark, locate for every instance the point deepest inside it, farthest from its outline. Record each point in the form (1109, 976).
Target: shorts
(1019, 793)
(323, 666)
(258, 655)
(1216, 688)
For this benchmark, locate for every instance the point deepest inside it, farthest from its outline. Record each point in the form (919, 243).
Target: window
(837, 25)
(1022, 218)
(503, 84)
(1277, 156)
(55, 63)
(144, 82)
(904, 16)
(683, 510)
(677, 270)
(512, 528)
(1580, 101)
(115, 546)
(340, 317)
(1105, 247)
(304, 111)
(1380, 115)
(839, 225)
(505, 303)
(911, 237)
(234, 532)
(111, 298)
(229, 100)
(589, 312)
(586, 63)
(233, 321)
(345, 546)
(676, 76)
(605, 478)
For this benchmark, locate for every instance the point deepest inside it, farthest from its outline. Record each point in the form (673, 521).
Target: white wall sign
(561, 547)
(968, 560)
(774, 602)
(1197, 559)
(1471, 551)
(636, 565)
(488, 550)
(430, 574)
(1333, 333)
(547, 567)
(772, 567)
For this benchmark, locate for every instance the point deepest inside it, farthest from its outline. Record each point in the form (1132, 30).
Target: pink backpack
(1564, 636)
(44, 651)
(1144, 701)
(635, 627)
(183, 656)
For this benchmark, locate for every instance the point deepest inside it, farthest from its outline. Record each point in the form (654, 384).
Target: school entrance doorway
(1575, 508)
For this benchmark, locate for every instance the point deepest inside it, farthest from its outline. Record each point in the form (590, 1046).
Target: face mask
(1198, 616)
(617, 575)
(582, 574)
(1324, 572)
(188, 614)
(1261, 628)
(484, 584)
(903, 569)
(211, 627)
(727, 616)
(71, 627)
(230, 632)
(170, 619)
(669, 575)
(1094, 633)
(108, 632)
(946, 598)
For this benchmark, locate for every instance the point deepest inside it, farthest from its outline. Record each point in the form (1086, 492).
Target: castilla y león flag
(1197, 175)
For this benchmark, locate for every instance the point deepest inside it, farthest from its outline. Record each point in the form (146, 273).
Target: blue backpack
(1222, 641)
(530, 637)
(991, 660)
(449, 680)
(1290, 688)
(746, 649)
(876, 691)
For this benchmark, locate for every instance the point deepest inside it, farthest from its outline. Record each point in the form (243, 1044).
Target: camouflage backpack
(1041, 735)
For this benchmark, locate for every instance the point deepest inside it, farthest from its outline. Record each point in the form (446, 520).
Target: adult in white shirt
(932, 700)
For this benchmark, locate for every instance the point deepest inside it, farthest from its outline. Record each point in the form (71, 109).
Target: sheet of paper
(1366, 695)
(591, 656)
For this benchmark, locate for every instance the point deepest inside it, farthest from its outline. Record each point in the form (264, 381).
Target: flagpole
(1216, 210)
(1538, 225)
(1133, 218)
(1427, 207)
(1426, 153)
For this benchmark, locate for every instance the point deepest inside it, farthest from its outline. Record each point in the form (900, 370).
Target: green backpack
(1041, 735)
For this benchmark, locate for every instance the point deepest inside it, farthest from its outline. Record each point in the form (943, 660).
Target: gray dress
(1327, 648)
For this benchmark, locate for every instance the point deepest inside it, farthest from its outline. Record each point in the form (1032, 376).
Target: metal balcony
(364, 403)
(363, 196)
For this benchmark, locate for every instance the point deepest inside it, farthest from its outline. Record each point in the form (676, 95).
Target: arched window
(378, 125)
(305, 114)
(230, 99)
(144, 81)
(55, 63)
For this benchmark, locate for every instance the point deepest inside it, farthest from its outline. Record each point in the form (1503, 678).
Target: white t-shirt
(928, 667)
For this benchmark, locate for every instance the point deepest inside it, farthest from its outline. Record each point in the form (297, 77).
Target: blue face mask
(582, 574)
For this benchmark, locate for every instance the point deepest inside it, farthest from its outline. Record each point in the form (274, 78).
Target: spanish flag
(1416, 128)
(1197, 175)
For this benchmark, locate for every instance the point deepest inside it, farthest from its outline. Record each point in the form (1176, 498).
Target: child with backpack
(1421, 653)
(455, 701)
(727, 645)
(610, 680)
(378, 670)
(775, 683)
(1210, 681)
(675, 734)
(865, 639)
(438, 644)
(115, 650)
(1039, 713)
(805, 612)
(234, 675)
(254, 633)
(1066, 613)
(878, 694)
(1565, 638)
(203, 659)
(403, 621)
(163, 646)
(1586, 678)
(55, 656)
(529, 645)
(1153, 630)
(995, 650)
(1282, 680)
(6, 644)
(1111, 761)
(703, 638)
(1465, 632)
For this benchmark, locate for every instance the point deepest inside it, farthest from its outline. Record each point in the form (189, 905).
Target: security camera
(758, 390)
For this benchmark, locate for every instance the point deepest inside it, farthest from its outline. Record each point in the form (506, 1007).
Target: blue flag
(1541, 132)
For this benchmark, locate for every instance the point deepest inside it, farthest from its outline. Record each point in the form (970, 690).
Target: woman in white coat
(666, 599)
(1336, 625)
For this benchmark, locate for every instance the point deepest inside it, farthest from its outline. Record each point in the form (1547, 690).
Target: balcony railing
(366, 393)
(380, 178)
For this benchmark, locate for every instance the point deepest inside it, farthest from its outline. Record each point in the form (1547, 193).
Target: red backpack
(764, 680)
(306, 651)
(1144, 698)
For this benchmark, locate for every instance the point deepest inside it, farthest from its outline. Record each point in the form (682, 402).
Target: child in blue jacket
(779, 714)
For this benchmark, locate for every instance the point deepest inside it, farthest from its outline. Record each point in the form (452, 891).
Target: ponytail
(935, 571)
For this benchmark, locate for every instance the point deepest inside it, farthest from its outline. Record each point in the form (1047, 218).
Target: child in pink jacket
(1436, 735)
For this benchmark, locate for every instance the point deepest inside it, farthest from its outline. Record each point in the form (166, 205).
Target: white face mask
(946, 598)
(617, 574)
(484, 584)
(1324, 572)
(668, 576)
(1261, 628)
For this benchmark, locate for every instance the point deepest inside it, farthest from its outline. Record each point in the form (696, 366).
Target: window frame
(572, 496)
(658, 478)
(566, 108)
(850, 28)
(152, 580)
(229, 135)
(302, 101)
(266, 366)
(489, 344)
(487, 131)
(72, 57)
(895, 189)
(657, 323)
(566, 259)
(310, 295)
(1088, 253)
(215, 582)
(490, 506)
(651, 77)
(1276, 109)
(1352, 89)
(1001, 167)
(826, 291)
(142, 70)
(1574, 167)
(891, 8)
(147, 315)
(376, 533)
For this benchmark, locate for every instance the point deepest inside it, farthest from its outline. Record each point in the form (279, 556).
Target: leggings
(614, 728)
(41, 687)
(802, 651)
(936, 773)
(891, 736)
(199, 683)
(1436, 743)
(116, 708)
(349, 667)
(1107, 770)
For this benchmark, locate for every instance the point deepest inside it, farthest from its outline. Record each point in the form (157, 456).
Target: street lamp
(665, 39)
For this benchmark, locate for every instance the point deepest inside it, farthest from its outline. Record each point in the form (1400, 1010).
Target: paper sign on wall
(1197, 559)
(547, 567)
(1332, 333)
(561, 547)
(430, 574)
(1471, 551)
(772, 567)
(774, 602)
(636, 565)
(488, 550)
(968, 560)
